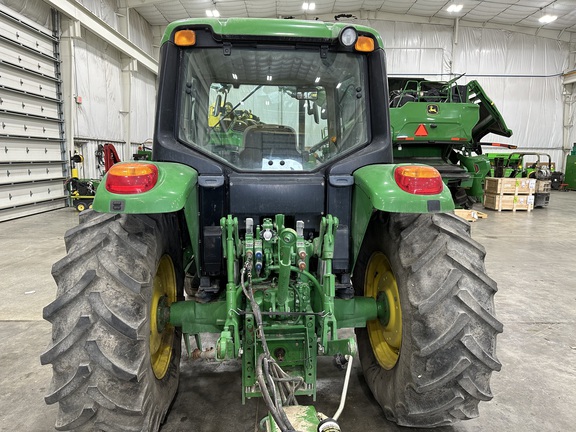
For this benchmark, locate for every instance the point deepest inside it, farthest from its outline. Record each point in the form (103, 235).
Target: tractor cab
(274, 124)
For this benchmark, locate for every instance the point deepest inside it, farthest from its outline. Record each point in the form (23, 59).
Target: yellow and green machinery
(286, 217)
(82, 190)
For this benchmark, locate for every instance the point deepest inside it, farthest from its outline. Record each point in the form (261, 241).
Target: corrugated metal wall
(32, 159)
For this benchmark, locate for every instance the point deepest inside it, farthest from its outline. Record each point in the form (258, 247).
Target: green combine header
(442, 124)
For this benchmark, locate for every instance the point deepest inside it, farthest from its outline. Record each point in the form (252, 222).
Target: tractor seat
(270, 147)
(401, 100)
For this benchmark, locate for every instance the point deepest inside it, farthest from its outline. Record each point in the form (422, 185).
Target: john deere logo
(432, 109)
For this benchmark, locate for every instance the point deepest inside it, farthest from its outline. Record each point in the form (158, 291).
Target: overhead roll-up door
(32, 154)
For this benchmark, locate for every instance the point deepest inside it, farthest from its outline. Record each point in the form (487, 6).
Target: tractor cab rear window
(272, 110)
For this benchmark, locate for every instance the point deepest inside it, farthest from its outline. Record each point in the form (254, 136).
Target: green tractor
(271, 223)
(442, 124)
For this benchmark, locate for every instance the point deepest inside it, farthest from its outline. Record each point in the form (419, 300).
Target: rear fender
(375, 189)
(176, 190)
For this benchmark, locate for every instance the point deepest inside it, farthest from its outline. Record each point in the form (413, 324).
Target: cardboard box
(494, 185)
(543, 186)
(508, 202)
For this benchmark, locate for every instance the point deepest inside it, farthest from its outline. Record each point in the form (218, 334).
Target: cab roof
(265, 27)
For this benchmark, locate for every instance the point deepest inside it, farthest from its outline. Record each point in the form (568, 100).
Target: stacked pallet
(509, 193)
(542, 193)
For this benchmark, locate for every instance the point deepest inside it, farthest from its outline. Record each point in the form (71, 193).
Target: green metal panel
(443, 121)
(491, 121)
(355, 312)
(570, 176)
(376, 189)
(270, 28)
(176, 186)
(378, 184)
(175, 190)
(479, 168)
(194, 317)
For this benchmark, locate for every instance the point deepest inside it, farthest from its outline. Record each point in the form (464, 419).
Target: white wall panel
(141, 32)
(24, 58)
(26, 172)
(142, 105)
(26, 210)
(19, 194)
(14, 149)
(13, 32)
(24, 81)
(32, 11)
(415, 49)
(103, 9)
(97, 70)
(27, 126)
(15, 101)
(32, 159)
(521, 74)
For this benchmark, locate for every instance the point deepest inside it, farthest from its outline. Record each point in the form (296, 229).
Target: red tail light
(419, 180)
(131, 178)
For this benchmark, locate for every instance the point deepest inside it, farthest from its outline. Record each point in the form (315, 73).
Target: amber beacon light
(185, 38)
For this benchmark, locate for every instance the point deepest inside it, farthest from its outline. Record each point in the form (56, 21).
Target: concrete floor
(530, 255)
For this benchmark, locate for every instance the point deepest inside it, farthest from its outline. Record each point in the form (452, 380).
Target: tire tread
(98, 330)
(450, 339)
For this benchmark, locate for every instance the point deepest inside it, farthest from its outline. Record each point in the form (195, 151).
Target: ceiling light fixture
(547, 19)
(308, 6)
(454, 8)
(212, 13)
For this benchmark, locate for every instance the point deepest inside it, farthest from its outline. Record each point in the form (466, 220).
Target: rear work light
(419, 180)
(348, 36)
(131, 178)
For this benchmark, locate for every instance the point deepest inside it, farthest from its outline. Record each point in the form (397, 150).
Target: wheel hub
(385, 332)
(161, 332)
(383, 308)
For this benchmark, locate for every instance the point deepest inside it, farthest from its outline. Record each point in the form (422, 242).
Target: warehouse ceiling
(526, 13)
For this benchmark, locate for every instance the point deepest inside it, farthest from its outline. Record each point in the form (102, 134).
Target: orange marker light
(131, 178)
(364, 44)
(185, 38)
(419, 180)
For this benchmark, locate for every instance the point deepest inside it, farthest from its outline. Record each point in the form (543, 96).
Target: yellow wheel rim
(385, 334)
(162, 334)
(81, 207)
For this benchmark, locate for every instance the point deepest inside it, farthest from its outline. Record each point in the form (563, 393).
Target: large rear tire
(115, 363)
(429, 361)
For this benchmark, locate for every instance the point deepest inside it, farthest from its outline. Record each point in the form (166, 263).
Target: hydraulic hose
(345, 388)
